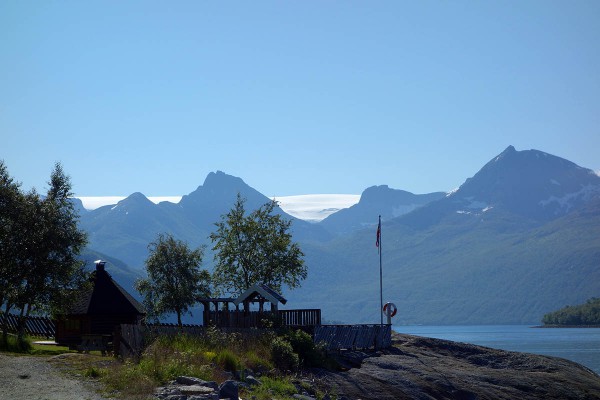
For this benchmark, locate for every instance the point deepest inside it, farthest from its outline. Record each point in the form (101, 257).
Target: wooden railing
(309, 317)
(352, 337)
(34, 326)
(256, 319)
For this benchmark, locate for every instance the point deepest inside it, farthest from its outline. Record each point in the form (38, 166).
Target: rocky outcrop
(424, 368)
(427, 369)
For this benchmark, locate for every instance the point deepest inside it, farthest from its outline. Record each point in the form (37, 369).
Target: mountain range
(518, 239)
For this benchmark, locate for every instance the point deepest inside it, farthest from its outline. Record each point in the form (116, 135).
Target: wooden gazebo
(238, 313)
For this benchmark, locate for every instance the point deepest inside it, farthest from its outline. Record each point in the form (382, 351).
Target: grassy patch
(211, 357)
(49, 350)
(273, 387)
(13, 345)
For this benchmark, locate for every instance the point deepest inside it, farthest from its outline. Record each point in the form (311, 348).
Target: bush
(227, 360)
(310, 355)
(273, 388)
(283, 355)
(14, 345)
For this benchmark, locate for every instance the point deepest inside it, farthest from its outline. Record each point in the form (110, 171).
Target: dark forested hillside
(579, 315)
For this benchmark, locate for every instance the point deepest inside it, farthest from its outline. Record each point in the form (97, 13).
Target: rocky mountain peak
(136, 199)
(530, 182)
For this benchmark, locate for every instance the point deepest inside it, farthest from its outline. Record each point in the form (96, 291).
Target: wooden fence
(130, 341)
(300, 318)
(257, 319)
(353, 337)
(34, 326)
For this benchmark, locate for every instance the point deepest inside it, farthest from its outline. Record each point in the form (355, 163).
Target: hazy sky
(295, 97)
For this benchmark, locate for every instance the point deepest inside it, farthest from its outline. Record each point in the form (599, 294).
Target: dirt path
(28, 378)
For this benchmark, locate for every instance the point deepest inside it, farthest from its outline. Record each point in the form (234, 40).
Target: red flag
(378, 234)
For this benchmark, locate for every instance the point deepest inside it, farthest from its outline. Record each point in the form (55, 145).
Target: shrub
(310, 355)
(93, 372)
(255, 361)
(283, 355)
(273, 388)
(13, 344)
(227, 360)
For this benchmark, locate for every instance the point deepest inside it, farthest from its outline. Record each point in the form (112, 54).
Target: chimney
(99, 265)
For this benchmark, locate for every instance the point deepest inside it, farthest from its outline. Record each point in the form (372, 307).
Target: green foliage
(308, 353)
(584, 314)
(175, 281)
(272, 387)
(93, 372)
(40, 244)
(283, 355)
(227, 360)
(14, 344)
(205, 357)
(255, 248)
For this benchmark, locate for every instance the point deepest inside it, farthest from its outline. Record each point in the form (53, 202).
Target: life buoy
(393, 309)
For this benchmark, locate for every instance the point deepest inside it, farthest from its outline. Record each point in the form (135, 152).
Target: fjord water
(581, 345)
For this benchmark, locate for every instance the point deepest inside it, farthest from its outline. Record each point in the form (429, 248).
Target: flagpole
(380, 276)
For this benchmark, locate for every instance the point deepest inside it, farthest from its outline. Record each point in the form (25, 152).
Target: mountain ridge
(475, 255)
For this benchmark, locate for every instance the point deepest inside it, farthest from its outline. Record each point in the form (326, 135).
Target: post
(388, 314)
(380, 271)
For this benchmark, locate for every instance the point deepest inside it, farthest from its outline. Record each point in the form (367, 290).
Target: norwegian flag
(378, 234)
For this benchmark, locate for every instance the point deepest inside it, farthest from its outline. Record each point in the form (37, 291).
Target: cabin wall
(69, 330)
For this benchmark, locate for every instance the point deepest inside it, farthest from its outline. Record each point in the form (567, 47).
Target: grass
(211, 357)
(13, 345)
(272, 387)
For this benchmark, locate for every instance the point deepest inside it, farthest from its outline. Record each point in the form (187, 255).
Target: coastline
(566, 326)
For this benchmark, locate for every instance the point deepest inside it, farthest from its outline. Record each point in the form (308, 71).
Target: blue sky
(294, 97)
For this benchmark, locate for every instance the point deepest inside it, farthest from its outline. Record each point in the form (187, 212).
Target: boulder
(229, 390)
(252, 381)
(189, 380)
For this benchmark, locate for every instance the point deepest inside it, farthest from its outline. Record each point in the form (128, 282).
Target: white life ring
(393, 309)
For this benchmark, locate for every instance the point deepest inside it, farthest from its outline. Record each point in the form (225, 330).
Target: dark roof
(106, 297)
(273, 293)
(261, 290)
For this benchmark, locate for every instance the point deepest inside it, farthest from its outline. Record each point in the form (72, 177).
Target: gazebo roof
(263, 290)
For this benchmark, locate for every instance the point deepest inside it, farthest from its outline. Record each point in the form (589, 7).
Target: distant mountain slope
(530, 183)
(518, 239)
(375, 201)
(125, 229)
(478, 256)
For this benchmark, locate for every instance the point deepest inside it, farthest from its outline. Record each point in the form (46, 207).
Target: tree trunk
(22, 322)
(5, 323)
(179, 321)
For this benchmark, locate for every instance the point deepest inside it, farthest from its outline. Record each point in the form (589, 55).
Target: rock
(229, 390)
(252, 381)
(188, 380)
(214, 396)
(165, 392)
(196, 389)
(419, 368)
(303, 397)
(176, 397)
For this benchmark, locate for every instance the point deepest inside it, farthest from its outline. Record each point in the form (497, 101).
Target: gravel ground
(33, 378)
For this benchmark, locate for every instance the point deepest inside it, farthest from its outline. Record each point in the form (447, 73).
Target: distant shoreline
(566, 326)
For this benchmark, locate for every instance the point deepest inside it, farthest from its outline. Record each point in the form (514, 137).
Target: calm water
(581, 345)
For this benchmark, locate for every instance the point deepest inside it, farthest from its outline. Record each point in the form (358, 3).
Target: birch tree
(255, 248)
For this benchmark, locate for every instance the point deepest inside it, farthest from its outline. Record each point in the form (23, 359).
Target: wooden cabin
(97, 312)
(239, 313)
